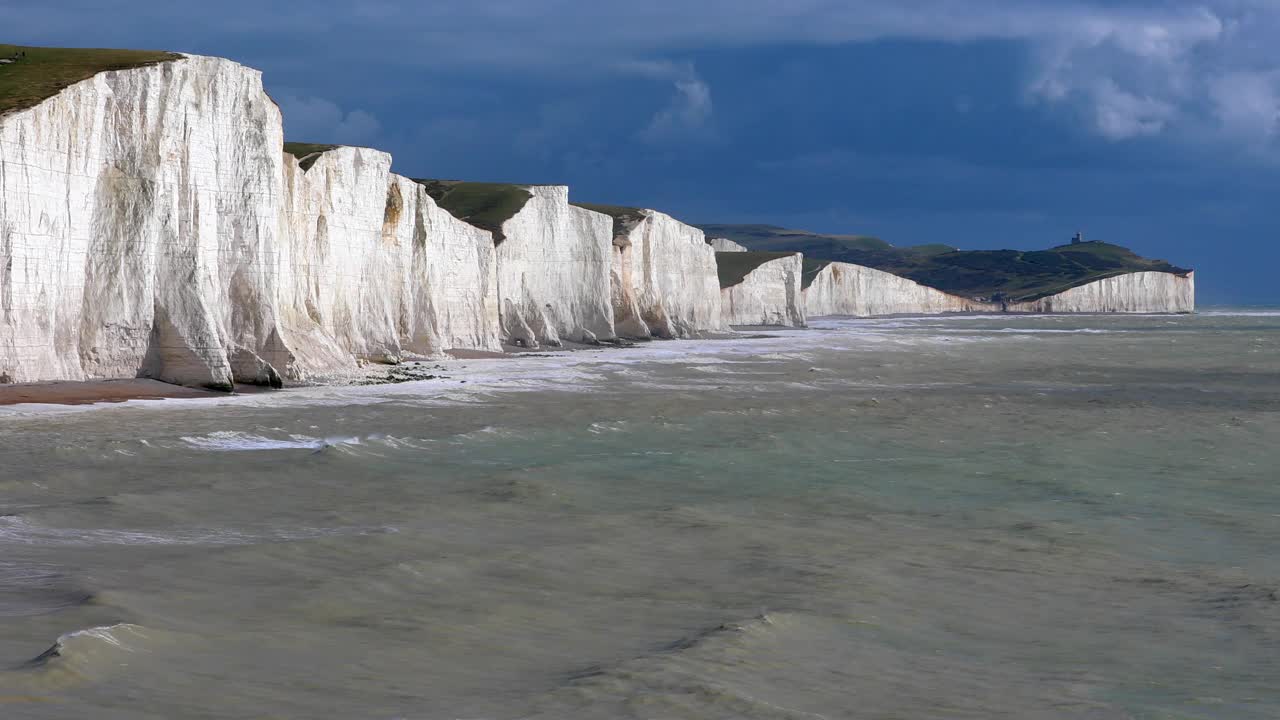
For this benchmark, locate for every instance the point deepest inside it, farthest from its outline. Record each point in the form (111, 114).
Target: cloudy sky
(979, 123)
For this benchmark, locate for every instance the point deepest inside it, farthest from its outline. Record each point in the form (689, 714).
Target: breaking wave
(691, 674)
(81, 656)
(232, 441)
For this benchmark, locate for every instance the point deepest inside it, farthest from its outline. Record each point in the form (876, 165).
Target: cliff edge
(836, 288)
(152, 225)
(761, 288)
(994, 276)
(663, 276)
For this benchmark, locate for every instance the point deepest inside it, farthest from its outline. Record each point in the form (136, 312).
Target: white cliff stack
(150, 226)
(858, 291)
(341, 286)
(769, 293)
(139, 227)
(1140, 292)
(553, 272)
(375, 271)
(664, 279)
(455, 269)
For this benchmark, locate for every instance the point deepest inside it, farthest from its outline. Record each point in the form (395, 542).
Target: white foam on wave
(1048, 331)
(891, 322)
(1239, 313)
(20, 531)
(611, 426)
(466, 382)
(113, 635)
(233, 441)
(488, 432)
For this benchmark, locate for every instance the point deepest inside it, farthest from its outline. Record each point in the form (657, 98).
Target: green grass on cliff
(733, 267)
(485, 205)
(1012, 275)
(307, 153)
(771, 238)
(810, 269)
(1015, 275)
(44, 72)
(624, 218)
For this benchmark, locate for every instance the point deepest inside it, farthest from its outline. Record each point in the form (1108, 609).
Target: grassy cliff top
(624, 218)
(307, 153)
(771, 238)
(810, 269)
(1013, 275)
(44, 72)
(733, 267)
(1017, 275)
(485, 205)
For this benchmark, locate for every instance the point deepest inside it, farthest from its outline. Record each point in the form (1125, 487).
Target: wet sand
(97, 391)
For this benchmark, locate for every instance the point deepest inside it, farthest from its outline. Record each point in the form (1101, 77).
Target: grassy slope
(45, 72)
(307, 153)
(734, 266)
(810, 269)
(624, 218)
(1009, 274)
(770, 238)
(485, 205)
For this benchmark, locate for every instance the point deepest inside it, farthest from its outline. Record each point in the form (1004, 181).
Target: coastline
(93, 392)
(476, 369)
(69, 393)
(466, 368)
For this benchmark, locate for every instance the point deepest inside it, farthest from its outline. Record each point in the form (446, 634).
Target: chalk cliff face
(846, 289)
(553, 272)
(151, 226)
(663, 279)
(139, 226)
(855, 290)
(768, 295)
(725, 245)
(373, 270)
(341, 286)
(1142, 292)
(453, 266)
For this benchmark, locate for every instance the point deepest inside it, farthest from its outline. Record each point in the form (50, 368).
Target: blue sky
(979, 123)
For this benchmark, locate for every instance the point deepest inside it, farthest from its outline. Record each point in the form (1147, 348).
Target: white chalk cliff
(858, 291)
(454, 271)
(1139, 292)
(553, 272)
(854, 290)
(373, 270)
(150, 225)
(139, 226)
(664, 280)
(725, 245)
(769, 294)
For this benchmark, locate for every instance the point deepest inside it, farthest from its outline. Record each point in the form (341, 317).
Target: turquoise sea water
(962, 517)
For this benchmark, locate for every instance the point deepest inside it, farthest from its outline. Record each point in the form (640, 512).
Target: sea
(911, 518)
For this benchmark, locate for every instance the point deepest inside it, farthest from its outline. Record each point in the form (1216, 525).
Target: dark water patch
(44, 658)
(1255, 605)
(29, 589)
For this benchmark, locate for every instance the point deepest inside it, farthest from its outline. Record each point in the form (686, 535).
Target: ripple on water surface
(978, 516)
